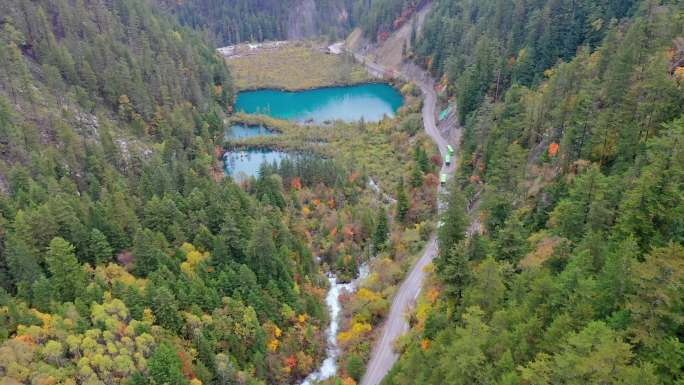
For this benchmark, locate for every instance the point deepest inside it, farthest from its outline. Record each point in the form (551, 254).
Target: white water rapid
(329, 366)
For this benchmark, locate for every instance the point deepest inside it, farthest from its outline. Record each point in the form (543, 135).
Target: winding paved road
(383, 355)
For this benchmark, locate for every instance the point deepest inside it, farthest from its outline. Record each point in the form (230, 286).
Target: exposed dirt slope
(388, 54)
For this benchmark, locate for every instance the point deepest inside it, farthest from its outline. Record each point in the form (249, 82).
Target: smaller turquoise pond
(241, 131)
(370, 101)
(240, 163)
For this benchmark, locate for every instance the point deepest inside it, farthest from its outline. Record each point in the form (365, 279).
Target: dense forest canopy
(230, 22)
(126, 256)
(122, 259)
(483, 47)
(106, 50)
(578, 274)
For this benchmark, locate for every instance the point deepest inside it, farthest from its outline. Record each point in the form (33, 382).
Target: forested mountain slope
(481, 48)
(485, 46)
(578, 275)
(230, 22)
(105, 50)
(122, 260)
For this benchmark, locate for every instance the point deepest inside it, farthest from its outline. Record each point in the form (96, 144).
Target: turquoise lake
(368, 101)
(241, 163)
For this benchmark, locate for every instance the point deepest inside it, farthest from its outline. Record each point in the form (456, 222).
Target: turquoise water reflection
(242, 163)
(241, 131)
(370, 101)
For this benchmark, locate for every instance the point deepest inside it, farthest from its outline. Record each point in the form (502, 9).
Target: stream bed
(329, 366)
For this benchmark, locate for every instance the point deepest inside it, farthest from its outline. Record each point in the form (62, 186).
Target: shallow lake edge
(394, 83)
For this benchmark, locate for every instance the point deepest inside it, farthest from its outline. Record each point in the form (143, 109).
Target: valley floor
(386, 150)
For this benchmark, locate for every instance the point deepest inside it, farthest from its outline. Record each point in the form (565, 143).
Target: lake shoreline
(394, 83)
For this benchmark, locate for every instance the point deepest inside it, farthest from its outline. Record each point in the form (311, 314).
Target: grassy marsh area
(295, 66)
